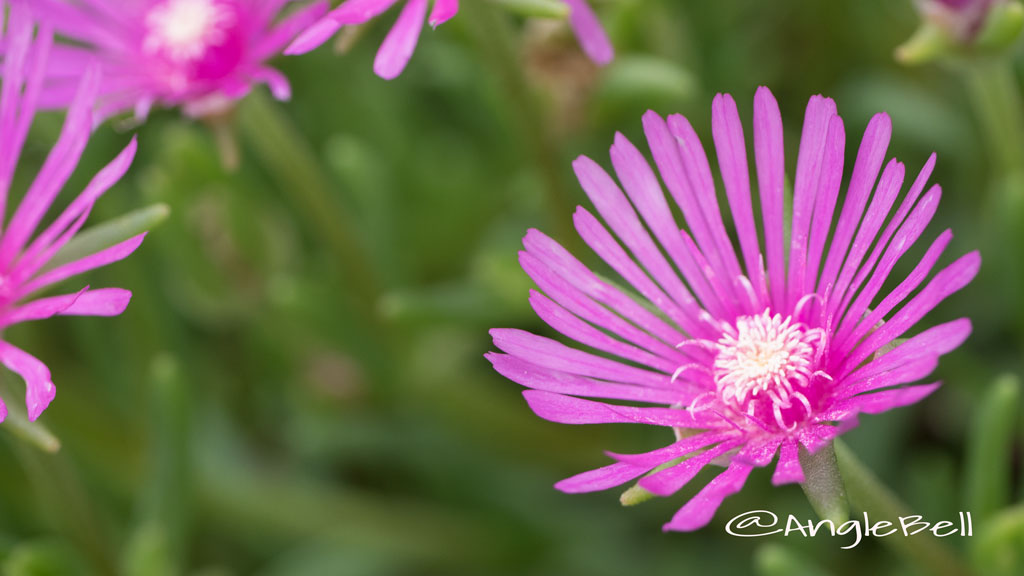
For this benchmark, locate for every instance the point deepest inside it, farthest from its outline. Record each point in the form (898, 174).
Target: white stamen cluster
(182, 30)
(765, 357)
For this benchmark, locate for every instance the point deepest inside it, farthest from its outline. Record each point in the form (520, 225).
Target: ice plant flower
(26, 253)
(201, 55)
(770, 349)
(401, 41)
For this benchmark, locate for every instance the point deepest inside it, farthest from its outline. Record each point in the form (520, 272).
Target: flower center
(182, 30)
(191, 46)
(765, 365)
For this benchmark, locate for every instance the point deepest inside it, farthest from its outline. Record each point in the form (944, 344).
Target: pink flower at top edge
(401, 41)
(201, 55)
(25, 251)
(744, 353)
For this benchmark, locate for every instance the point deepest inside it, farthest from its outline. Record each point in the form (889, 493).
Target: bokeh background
(299, 388)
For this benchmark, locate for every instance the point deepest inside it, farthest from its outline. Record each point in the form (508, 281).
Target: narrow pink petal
(911, 369)
(948, 281)
(665, 149)
(573, 327)
(655, 458)
(698, 512)
(313, 37)
(934, 341)
(39, 388)
(694, 321)
(101, 182)
(816, 437)
(809, 167)
(57, 168)
(100, 302)
(557, 356)
(616, 210)
(570, 410)
(277, 82)
(698, 170)
(895, 225)
(769, 155)
(567, 267)
(284, 31)
(865, 171)
(3, 407)
(905, 237)
(758, 452)
(731, 147)
(670, 480)
(641, 185)
(442, 11)
(41, 308)
(526, 373)
(881, 203)
(894, 298)
(886, 400)
(102, 258)
(401, 41)
(563, 292)
(825, 203)
(600, 479)
(588, 30)
(788, 469)
(350, 12)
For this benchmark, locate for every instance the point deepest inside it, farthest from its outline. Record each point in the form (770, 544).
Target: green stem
(869, 495)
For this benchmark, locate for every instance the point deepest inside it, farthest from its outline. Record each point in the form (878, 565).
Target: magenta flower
(25, 252)
(198, 54)
(401, 41)
(745, 362)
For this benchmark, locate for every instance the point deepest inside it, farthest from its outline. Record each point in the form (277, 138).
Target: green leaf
(536, 8)
(1002, 27)
(109, 233)
(778, 560)
(868, 494)
(990, 448)
(643, 78)
(998, 548)
(823, 484)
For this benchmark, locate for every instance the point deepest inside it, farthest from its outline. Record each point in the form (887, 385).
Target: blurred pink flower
(752, 352)
(198, 54)
(26, 253)
(962, 18)
(401, 41)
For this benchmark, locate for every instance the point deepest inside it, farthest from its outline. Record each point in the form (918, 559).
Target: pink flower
(745, 353)
(198, 54)
(25, 252)
(963, 19)
(401, 41)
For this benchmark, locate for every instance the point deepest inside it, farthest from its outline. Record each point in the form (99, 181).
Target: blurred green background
(299, 388)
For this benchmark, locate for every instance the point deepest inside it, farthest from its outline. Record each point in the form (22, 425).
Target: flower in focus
(201, 55)
(26, 253)
(401, 41)
(770, 349)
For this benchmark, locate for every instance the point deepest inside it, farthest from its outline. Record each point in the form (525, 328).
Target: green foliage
(298, 386)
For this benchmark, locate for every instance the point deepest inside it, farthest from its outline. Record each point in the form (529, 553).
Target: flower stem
(869, 495)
